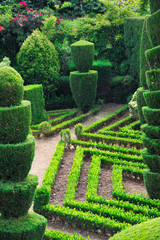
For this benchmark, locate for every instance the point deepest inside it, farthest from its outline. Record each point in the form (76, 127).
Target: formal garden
(84, 74)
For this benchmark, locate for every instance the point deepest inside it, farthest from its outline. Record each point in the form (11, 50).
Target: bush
(11, 87)
(38, 60)
(153, 79)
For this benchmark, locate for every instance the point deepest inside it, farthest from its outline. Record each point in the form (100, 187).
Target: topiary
(38, 60)
(11, 87)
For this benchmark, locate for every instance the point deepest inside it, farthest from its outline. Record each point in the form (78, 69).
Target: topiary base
(16, 197)
(152, 161)
(152, 183)
(84, 88)
(28, 227)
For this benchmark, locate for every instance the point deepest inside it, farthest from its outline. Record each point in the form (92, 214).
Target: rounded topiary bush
(144, 231)
(38, 60)
(153, 145)
(152, 183)
(153, 57)
(152, 115)
(83, 55)
(151, 131)
(152, 98)
(11, 87)
(152, 161)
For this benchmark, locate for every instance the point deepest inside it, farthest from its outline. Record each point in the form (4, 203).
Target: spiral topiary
(38, 60)
(11, 87)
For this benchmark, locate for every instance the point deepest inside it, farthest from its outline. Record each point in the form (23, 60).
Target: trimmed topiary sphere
(83, 55)
(84, 87)
(152, 99)
(152, 161)
(11, 87)
(153, 57)
(38, 60)
(145, 231)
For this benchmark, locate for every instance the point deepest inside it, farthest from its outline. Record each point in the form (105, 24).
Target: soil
(45, 148)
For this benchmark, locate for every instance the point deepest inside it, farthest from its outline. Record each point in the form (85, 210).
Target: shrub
(38, 60)
(11, 87)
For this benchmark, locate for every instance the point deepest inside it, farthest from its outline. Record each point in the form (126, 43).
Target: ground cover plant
(89, 208)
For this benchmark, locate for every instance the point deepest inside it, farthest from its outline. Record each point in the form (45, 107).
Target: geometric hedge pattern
(113, 143)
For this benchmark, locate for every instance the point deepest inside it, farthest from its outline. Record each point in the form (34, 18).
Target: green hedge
(141, 103)
(153, 79)
(152, 183)
(153, 145)
(15, 123)
(57, 235)
(151, 131)
(34, 94)
(153, 28)
(84, 88)
(16, 197)
(152, 115)
(153, 57)
(16, 159)
(152, 161)
(83, 55)
(27, 227)
(152, 99)
(132, 36)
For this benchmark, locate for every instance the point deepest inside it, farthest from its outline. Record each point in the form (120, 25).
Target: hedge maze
(115, 142)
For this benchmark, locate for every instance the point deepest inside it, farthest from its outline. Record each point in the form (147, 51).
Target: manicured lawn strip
(103, 122)
(121, 156)
(120, 134)
(74, 175)
(81, 219)
(115, 126)
(111, 140)
(57, 235)
(103, 146)
(120, 194)
(42, 194)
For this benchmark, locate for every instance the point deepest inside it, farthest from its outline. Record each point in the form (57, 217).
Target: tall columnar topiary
(83, 82)
(16, 155)
(151, 112)
(151, 136)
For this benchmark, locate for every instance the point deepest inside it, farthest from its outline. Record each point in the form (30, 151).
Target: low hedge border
(103, 146)
(132, 126)
(57, 128)
(120, 134)
(58, 235)
(103, 122)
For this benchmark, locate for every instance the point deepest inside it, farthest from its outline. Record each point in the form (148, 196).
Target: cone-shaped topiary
(154, 5)
(83, 55)
(11, 87)
(83, 83)
(38, 60)
(16, 156)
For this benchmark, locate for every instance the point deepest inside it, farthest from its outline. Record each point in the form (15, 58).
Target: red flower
(63, 31)
(2, 28)
(59, 20)
(22, 4)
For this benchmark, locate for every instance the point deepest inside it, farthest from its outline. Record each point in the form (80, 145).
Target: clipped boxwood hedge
(153, 145)
(16, 197)
(16, 159)
(152, 183)
(144, 231)
(11, 87)
(152, 116)
(152, 161)
(151, 131)
(152, 99)
(153, 57)
(15, 123)
(153, 79)
(27, 227)
(83, 55)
